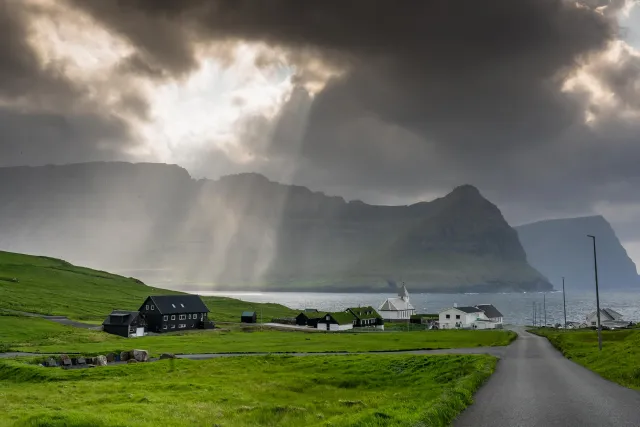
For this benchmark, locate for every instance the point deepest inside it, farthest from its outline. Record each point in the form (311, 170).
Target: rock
(64, 357)
(132, 361)
(167, 356)
(124, 356)
(101, 361)
(141, 355)
(51, 362)
(111, 358)
(82, 361)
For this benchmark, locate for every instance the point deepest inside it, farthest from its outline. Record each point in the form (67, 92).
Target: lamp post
(564, 304)
(595, 270)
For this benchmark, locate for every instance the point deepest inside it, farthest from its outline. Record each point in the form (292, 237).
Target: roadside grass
(30, 334)
(55, 287)
(350, 391)
(619, 360)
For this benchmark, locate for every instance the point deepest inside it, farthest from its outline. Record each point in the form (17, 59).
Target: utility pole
(534, 315)
(595, 269)
(544, 302)
(564, 304)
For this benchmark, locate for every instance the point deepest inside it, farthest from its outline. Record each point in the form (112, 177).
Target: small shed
(125, 324)
(308, 318)
(248, 317)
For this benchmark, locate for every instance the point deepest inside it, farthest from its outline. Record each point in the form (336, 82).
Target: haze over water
(517, 308)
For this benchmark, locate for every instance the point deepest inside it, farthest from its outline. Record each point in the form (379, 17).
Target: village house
(397, 309)
(167, 313)
(608, 318)
(484, 316)
(308, 317)
(366, 317)
(248, 317)
(338, 321)
(124, 323)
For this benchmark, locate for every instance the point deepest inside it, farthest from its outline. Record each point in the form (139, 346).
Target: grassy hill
(43, 285)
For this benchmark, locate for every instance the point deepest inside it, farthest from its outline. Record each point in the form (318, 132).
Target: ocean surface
(516, 308)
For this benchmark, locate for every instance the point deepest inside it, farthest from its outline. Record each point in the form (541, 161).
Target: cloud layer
(535, 101)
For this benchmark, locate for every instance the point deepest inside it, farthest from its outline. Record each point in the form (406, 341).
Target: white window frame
(189, 316)
(173, 326)
(164, 327)
(173, 317)
(165, 317)
(182, 325)
(146, 307)
(183, 317)
(153, 307)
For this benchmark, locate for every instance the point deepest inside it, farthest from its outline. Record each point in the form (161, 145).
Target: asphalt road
(535, 386)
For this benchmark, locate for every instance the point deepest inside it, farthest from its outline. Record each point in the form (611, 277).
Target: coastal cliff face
(561, 247)
(243, 231)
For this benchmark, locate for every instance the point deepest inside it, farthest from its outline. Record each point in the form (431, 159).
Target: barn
(338, 321)
(248, 317)
(124, 323)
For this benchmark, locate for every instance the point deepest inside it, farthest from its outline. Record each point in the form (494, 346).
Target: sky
(535, 102)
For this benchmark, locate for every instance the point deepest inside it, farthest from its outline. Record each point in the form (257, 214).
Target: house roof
(424, 316)
(489, 310)
(127, 317)
(606, 314)
(469, 309)
(172, 304)
(395, 304)
(310, 315)
(367, 312)
(341, 317)
(248, 314)
(614, 314)
(311, 310)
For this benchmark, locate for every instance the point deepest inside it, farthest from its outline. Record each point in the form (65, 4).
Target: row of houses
(354, 317)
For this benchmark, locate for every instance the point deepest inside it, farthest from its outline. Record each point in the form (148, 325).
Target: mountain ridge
(245, 231)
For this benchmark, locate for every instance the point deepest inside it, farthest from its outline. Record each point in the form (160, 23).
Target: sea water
(517, 308)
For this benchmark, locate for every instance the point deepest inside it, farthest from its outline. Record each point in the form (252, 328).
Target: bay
(517, 308)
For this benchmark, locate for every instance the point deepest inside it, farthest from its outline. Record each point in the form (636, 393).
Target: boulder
(167, 356)
(132, 361)
(82, 361)
(51, 362)
(124, 356)
(141, 355)
(101, 361)
(111, 358)
(64, 357)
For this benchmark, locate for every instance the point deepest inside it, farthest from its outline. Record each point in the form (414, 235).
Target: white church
(397, 309)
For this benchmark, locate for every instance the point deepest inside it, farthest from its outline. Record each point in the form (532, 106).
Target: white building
(484, 316)
(608, 317)
(397, 309)
(339, 321)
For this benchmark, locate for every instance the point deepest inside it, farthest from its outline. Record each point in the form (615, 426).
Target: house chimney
(455, 305)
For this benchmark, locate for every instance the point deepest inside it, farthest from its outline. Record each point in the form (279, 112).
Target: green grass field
(55, 287)
(30, 334)
(283, 391)
(619, 360)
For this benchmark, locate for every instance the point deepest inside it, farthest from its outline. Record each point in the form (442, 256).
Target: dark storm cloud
(45, 116)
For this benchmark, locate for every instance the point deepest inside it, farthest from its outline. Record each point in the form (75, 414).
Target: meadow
(619, 360)
(381, 390)
(29, 334)
(50, 286)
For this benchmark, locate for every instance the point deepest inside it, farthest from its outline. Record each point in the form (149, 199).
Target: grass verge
(619, 360)
(381, 390)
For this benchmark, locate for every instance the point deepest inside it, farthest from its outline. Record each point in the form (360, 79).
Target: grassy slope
(243, 392)
(619, 360)
(39, 335)
(51, 286)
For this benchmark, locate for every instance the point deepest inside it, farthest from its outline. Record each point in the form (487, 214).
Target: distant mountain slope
(561, 247)
(245, 232)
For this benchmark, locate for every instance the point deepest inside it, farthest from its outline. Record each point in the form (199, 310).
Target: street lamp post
(595, 269)
(564, 304)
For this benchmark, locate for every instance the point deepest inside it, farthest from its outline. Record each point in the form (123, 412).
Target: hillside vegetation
(619, 360)
(246, 392)
(50, 286)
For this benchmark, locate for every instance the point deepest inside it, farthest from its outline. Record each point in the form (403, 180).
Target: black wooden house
(248, 317)
(124, 323)
(365, 316)
(170, 313)
(308, 317)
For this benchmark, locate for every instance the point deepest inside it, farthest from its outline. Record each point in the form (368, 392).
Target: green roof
(248, 313)
(311, 315)
(342, 317)
(361, 312)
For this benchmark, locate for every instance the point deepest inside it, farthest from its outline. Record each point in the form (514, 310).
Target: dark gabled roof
(363, 313)
(469, 309)
(341, 317)
(128, 316)
(490, 310)
(248, 314)
(174, 304)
